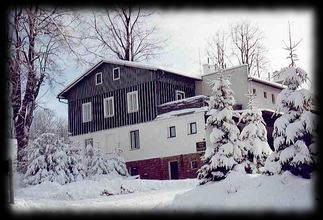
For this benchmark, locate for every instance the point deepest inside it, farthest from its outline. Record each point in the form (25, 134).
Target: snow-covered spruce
(98, 163)
(224, 153)
(50, 159)
(295, 130)
(253, 139)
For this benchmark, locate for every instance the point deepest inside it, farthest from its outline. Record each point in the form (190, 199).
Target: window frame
(192, 167)
(106, 106)
(179, 92)
(130, 107)
(85, 114)
(116, 68)
(273, 99)
(133, 171)
(88, 140)
(136, 144)
(190, 128)
(96, 78)
(170, 134)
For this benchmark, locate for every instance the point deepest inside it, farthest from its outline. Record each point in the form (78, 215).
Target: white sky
(188, 30)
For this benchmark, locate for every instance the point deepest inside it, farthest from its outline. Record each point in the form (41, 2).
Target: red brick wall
(158, 168)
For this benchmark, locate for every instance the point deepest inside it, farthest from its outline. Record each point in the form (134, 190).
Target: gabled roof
(123, 63)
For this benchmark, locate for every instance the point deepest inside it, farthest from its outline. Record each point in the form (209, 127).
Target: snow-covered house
(154, 115)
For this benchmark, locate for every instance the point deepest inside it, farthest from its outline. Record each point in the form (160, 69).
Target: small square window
(194, 164)
(134, 171)
(172, 132)
(88, 142)
(98, 78)
(180, 95)
(116, 73)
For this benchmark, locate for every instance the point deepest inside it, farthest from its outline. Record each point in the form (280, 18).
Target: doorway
(173, 170)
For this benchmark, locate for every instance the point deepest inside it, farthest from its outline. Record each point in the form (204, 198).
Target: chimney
(207, 68)
(268, 76)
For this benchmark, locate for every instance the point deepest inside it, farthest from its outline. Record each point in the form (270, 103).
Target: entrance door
(173, 170)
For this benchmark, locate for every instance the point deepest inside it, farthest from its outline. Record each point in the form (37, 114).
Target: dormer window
(98, 78)
(180, 95)
(116, 73)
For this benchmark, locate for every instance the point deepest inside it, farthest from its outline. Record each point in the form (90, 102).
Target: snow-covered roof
(126, 63)
(181, 112)
(267, 82)
(189, 99)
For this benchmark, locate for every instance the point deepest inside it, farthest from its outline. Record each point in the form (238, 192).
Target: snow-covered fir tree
(75, 160)
(253, 138)
(50, 160)
(295, 130)
(99, 163)
(225, 152)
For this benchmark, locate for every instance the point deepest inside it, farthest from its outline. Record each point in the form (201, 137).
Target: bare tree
(46, 121)
(247, 39)
(291, 47)
(216, 49)
(121, 30)
(37, 39)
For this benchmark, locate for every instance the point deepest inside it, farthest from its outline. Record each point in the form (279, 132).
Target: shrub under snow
(50, 159)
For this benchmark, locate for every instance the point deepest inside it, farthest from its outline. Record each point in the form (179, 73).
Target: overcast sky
(188, 30)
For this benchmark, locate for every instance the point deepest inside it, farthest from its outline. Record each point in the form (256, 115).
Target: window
(193, 128)
(116, 73)
(265, 95)
(108, 107)
(172, 132)
(98, 78)
(134, 171)
(254, 91)
(134, 140)
(194, 164)
(88, 141)
(180, 95)
(86, 112)
(273, 98)
(132, 101)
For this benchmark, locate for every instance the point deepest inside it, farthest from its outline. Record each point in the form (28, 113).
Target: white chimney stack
(207, 68)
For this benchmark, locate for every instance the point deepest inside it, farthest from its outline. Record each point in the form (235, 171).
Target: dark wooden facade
(154, 87)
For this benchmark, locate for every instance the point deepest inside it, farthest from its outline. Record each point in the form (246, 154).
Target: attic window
(116, 73)
(98, 78)
(180, 95)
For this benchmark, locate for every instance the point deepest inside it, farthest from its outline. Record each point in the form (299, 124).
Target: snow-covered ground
(237, 193)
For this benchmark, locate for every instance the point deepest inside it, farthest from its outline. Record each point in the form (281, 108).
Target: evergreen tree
(99, 163)
(49, 161)
(254, 139)
(295, 130)
(224, 153)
